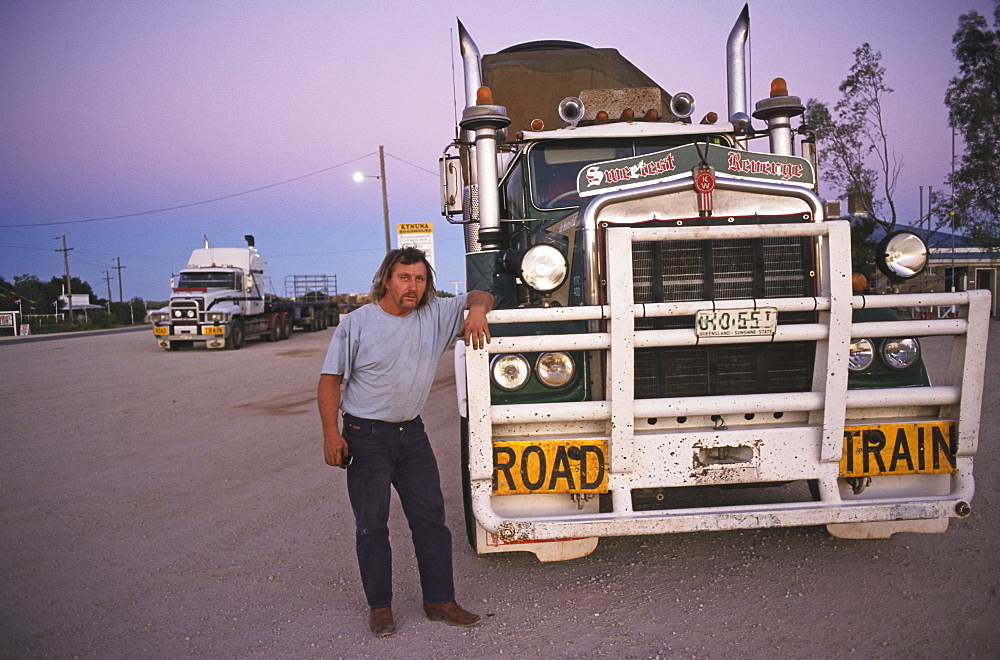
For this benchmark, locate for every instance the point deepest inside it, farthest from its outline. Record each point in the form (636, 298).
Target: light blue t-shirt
(387, 362)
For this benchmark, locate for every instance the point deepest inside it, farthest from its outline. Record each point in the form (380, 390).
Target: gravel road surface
(160, 504)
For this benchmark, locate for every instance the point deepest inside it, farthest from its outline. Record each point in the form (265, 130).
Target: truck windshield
(554, 165)
(207, 280)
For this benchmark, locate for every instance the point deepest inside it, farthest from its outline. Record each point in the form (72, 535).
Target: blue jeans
(399, 455)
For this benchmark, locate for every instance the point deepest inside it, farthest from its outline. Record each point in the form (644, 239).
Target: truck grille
(678, 271)
(190, 311)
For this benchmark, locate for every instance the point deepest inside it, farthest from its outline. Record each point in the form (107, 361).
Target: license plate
(554, 466)
(912, 448)
(212, 330)
(736, 322)
(161, 331)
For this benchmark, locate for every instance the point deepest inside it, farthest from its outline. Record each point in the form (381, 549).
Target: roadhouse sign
(680, 161)
(556, 466)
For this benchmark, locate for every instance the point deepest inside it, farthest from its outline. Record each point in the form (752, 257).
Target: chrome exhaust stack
(485, 119)
(471, 63)
(736, 72)
(473, 76)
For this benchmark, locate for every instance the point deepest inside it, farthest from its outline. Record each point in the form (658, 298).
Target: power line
(189, 205)
(424, 169)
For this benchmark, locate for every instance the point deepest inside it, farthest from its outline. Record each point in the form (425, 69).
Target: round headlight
(901, 255)
(190, 313)
(510, 372)
(900, 353)
(862, 355)
(177, 313)
(554, 369)
(543, 267)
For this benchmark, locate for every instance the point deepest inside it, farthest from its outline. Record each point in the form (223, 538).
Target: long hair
(407, 256)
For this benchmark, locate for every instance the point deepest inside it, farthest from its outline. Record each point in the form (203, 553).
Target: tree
(37, 297)
(32, 293)
(853, 142)
(973, 101)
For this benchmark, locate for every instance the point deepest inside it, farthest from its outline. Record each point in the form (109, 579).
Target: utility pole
(385, 197)
(951, 211)
(107, 280)
(928, 237)
(69, 285)
(119, 269)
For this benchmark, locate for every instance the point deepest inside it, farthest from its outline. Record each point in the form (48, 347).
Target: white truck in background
(219, 299)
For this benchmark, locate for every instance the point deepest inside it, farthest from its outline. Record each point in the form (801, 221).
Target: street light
(360, 176)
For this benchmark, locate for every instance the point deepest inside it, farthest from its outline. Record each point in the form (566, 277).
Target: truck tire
(274, 332)
(237, 335)
(286, 326)
(173, 346)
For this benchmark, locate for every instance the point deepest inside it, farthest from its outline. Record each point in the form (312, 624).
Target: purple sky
(114, 108)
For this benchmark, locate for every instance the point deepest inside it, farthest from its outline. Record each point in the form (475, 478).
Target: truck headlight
(217, 316)
(510, 372)
(543, 267)
(862, 355)
(157, 317)
(900, 353)
(178, 313)
(901, 255)
(554, 369)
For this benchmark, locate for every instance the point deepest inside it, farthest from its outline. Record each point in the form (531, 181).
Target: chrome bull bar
(826, 404)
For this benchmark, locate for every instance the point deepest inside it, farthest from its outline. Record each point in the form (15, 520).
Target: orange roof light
(627, 114)
(484, 96)
(537, 124)
(779, 87)
(602, 117)
(652, 114)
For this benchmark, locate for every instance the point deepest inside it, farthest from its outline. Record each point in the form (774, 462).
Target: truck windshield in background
(207, 280)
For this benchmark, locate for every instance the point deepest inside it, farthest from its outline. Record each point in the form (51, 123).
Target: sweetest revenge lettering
(786, 171)
(596, 176)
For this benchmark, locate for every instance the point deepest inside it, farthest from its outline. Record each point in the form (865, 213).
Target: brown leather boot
(452, 613)
(381, 623)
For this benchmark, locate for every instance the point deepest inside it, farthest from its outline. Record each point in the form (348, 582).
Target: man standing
(386, 355)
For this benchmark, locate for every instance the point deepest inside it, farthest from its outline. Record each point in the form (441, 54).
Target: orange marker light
(652, 114)
(627, 114)
(602, 117)
(484, 96)
(779, 87)
(537, 124)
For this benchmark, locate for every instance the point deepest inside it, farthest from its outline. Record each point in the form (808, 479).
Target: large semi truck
(677, 343)
(219, 299)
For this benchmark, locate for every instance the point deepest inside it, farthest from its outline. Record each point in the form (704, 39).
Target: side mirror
(451, 185)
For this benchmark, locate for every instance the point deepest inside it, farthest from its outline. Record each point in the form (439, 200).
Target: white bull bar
(826, 404)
